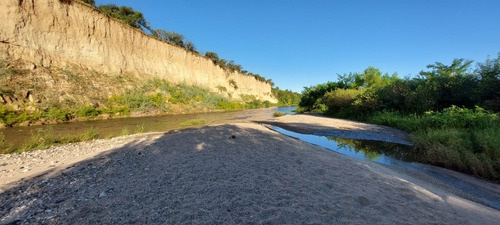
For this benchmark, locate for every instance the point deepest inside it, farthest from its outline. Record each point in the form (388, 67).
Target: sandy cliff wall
(51, 33)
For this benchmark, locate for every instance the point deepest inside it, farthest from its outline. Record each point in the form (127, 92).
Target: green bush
(90, 2)
(221, 88)
(462, 139)
(233, 84)
(57, 114)
(255, 104)
(341, 98)
(225, 105)
(87, 112)
(278, 114)
(121, 110)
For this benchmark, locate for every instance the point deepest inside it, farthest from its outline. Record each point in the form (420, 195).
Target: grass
(278, 114)
(124, 132)
(45, 138)
(4, 146)
(230, 106)
(194, 122)
(127, 96)
(466, 140)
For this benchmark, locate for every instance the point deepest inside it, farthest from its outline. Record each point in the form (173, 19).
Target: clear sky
(299, 43)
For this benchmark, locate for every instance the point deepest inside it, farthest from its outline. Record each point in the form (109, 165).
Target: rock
(103, 194)
(364, 201)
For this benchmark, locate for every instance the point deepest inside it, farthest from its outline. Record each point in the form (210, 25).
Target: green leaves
(126, 15)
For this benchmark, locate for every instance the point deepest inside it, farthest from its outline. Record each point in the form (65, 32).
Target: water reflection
(287, 109)
(400, 156)
(377, 151)
(115, 127)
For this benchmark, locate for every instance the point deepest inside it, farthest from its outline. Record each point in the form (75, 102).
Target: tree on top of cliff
(173, 38)
(127, 15)
(90, 2)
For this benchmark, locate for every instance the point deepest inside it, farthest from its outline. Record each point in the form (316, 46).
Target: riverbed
(225, 174)
(119, 126)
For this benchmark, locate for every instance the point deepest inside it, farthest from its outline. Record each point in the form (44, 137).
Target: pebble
(103, 194)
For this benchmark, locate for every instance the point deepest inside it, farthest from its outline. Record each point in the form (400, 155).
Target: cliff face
(49, 33)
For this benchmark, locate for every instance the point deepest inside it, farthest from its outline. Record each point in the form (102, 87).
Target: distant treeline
(441, 86)
(286, 97)
(136, 19)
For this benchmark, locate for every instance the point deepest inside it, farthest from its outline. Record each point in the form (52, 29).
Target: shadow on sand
(227, 174)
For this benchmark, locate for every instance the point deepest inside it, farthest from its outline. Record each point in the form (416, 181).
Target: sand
(205, 176)
(324, 126)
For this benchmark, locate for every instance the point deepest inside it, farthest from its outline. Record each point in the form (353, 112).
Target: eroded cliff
(52, 34)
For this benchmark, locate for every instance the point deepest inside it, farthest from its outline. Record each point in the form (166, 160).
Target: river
(394, 155)
(115, 127)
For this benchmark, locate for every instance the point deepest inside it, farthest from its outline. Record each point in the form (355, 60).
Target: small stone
(364, 201)
(146, 169)
(48, 210)
(103, 194)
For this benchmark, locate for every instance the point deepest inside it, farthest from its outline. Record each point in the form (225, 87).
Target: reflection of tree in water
(374, 149)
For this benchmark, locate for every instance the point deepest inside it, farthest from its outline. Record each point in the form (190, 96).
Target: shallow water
(114, 127)
(400, 156)
(377, 151)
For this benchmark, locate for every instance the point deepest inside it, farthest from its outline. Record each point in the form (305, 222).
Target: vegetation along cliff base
(32, 95)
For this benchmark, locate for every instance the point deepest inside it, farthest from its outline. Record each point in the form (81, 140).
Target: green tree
(90, 2)
(458, 67)
(311, 96)
(190, 46)
(286, 97)
(127, 15)
(451, 85)
(489, 83)
(170, 37)
(212, 56)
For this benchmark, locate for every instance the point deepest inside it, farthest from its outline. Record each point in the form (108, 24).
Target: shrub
(88, 135)
(254, 104)
(233, 84)
(278, 114)
(125, 131)
(225, 105)
(121, 110)
(57, 114)
(87, 112)
(221, 88)
(341, 98)
(266, 104)
(90, 2)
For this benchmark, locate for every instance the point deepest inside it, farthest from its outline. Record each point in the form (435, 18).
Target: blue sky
(299, 43)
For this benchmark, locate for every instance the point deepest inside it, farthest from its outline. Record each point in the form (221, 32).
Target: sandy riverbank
(204, 175)
(325, 126)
